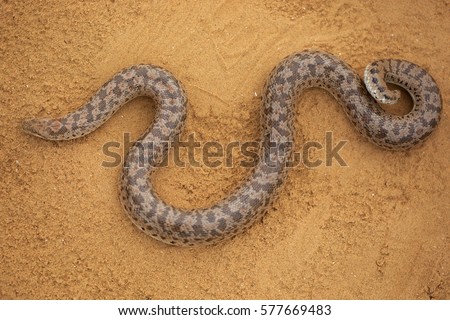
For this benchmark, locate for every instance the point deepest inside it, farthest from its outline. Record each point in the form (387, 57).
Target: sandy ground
(376, 229)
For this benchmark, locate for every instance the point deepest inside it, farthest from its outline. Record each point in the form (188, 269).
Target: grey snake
(237, 212)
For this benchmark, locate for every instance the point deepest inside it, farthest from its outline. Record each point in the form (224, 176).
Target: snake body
(286, 82)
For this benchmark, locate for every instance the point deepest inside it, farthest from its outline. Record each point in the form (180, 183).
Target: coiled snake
(238, 211)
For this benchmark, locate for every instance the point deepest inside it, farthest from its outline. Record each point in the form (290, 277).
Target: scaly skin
(237, 212)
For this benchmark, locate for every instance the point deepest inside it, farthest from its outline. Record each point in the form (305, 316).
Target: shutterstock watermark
(213, 154)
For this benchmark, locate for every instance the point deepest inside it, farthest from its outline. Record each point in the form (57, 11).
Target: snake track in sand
(295, 73)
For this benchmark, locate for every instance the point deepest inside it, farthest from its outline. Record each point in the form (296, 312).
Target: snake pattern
(286, 82)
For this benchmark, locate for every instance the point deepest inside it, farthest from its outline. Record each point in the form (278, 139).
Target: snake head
(48, 129)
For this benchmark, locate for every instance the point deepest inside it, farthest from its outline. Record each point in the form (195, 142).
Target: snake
(361, 100)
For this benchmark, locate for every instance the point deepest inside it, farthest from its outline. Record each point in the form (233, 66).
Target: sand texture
(377, 228)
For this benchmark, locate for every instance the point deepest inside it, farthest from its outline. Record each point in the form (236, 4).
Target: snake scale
(286, 82)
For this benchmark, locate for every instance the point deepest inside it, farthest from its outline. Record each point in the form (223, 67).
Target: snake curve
(286, 82)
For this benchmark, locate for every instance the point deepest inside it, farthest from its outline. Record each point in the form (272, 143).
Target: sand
(377, 228)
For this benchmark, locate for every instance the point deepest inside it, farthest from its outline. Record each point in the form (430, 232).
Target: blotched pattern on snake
(286, 82)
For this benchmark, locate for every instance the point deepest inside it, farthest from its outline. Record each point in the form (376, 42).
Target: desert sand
(377, 228)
